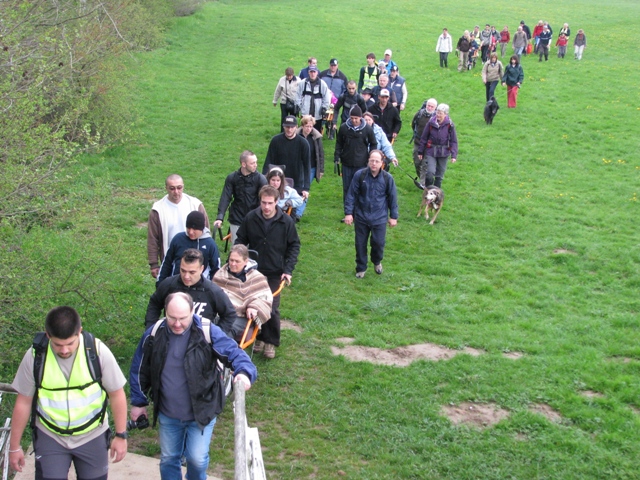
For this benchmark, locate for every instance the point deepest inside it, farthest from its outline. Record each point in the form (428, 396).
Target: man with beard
(291, 151)
(386, 115)
(347, 101)
(313, 97)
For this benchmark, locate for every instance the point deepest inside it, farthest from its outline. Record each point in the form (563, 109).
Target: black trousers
(270, 332)
(377, 234)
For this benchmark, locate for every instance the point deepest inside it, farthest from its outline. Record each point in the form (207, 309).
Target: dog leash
(416, 182)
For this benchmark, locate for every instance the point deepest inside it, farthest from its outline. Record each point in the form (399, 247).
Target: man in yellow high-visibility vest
(69, 422)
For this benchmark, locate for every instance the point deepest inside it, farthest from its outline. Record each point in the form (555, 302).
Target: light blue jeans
(178, 439)
(301, 208)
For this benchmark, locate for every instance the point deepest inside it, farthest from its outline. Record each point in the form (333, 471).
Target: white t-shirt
(112, 379)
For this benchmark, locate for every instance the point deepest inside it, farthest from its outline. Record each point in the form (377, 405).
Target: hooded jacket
(171, 263)
(439, 140)
(353, 144)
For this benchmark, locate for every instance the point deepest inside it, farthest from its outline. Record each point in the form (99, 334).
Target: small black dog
(490, 110)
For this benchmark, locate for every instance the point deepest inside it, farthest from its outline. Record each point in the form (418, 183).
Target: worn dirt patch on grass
(621, 359)
(475, 414)
(591, 394)
(345, 340)
(513, 355)
(401, 356)
(290, 325)
(142, 225)
(635, 409)
(546, 411)
(564, 251)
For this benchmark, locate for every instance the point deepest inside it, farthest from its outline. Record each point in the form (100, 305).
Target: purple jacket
(439, 140)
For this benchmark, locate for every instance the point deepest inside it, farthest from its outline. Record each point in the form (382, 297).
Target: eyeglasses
(178, 187)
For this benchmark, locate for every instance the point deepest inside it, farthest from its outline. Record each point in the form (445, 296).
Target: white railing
(5, 433)
(248, 454)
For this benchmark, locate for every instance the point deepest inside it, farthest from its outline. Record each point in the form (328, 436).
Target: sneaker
(360, 274)
(258, 346)
(378, 268)
(269, 350)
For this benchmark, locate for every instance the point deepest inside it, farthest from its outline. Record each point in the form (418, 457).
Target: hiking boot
(269, 350)
(258, 346)
(360, 274)
(378, 268)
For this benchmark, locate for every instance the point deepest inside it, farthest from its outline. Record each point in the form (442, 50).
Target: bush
(61, 90)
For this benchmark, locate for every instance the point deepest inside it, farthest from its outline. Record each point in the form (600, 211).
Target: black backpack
(40, 345)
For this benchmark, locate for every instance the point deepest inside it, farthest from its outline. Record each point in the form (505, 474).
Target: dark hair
(276, 172)
(191, 255)
(289, 71)
(514, 57)
(183, 295)
(268, 191)
(62, 322)
(371, 55)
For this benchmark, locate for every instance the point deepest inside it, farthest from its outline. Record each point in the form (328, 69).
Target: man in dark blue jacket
(371, 203)
(176, 367)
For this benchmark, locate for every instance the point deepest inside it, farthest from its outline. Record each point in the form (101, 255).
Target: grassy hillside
(535, 251)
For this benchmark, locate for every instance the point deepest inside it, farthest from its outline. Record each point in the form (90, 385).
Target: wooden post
(240, 426)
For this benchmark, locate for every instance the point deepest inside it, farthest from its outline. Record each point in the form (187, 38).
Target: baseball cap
(384, 93)
(394, 68)
(290, 121)
(313, 68)
(333, 61)
(387, 52)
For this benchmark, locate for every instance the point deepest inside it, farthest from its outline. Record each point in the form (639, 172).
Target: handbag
(529, 48)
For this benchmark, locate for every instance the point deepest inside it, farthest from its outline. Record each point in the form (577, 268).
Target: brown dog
(432, 200)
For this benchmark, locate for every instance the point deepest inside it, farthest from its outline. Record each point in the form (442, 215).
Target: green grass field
(536, 250)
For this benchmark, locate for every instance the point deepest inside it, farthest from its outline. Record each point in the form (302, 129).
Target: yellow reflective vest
(74, 406)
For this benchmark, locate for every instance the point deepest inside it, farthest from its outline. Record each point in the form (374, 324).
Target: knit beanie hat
(195, 220)
(356, 111)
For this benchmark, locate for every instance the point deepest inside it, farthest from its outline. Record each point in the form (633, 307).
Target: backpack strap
(40, 344)
(40, 347)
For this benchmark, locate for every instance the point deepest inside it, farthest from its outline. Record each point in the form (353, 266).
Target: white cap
(387, 52)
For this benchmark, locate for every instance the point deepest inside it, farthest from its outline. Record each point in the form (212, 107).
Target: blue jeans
(301, 208)
(178, 439)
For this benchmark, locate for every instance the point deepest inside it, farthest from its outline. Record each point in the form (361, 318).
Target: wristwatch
(124, 435)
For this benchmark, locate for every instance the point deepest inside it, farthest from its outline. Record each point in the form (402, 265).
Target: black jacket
(389, 118)
(347, 102)
(353, 144)
(243, 189)
(204, 377)
(278, 245)
(208, 298)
